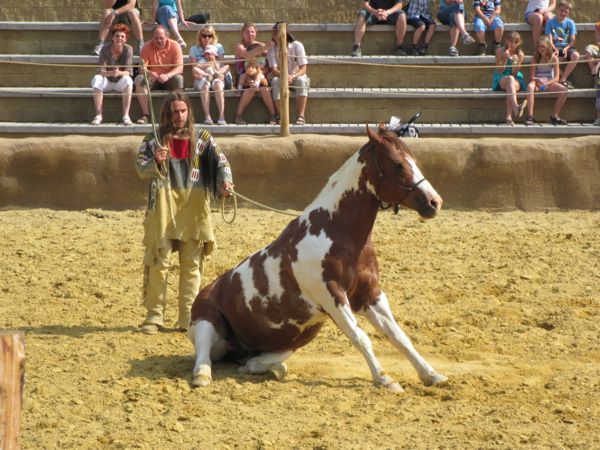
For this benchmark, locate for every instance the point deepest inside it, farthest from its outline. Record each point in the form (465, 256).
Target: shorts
(561, 53)
(299, 88)
(199, 84)
(446, 15)
(370, 19)
(124, 18)
(174, 84)
(164, 14)
(479, 26)
(422, 20)
(103, 84)
(593, 51)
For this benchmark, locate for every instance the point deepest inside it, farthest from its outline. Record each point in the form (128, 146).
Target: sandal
(522, 107)
(239, 120)
(274, 119)
(300, 120)
(555, 120)
(143, 120)
(510, 122)
(127, 121)
(97, 120)
(529, 121)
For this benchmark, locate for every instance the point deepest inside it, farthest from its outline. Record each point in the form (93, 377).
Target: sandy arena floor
(507, 305)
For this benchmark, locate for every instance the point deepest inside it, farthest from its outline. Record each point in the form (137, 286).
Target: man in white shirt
(297, 78)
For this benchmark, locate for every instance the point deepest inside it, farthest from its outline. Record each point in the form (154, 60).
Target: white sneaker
(97, 120)
(127, 121)
(467, 39)
(97, 49)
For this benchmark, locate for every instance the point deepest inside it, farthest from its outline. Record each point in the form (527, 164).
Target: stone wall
(75, 172)
(259, 11)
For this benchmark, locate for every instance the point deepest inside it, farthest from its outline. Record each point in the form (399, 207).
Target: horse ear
(381, 127)
(373, 137)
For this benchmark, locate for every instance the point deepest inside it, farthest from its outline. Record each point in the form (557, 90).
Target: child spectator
(592, 53)
(380, 12)
(452, 13)
(544, 78)
(487, 17)
(419, 16)
(562, 30)
(209, 75)
(508, 77)
(537, 14)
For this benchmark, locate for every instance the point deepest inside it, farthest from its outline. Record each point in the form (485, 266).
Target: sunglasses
(206, 35)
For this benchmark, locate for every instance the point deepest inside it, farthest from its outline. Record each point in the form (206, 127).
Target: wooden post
(12, 376)
(284, 88)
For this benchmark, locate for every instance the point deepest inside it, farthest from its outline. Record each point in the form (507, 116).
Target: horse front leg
(342, 315)
(209, 347)
(381, 317)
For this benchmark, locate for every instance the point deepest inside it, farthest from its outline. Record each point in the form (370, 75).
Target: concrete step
(325, 105)
(318, 38)
(20, 129)
(325, 71)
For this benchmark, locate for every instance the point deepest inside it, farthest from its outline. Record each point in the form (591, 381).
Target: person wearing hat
(297, 78)
(209, 76)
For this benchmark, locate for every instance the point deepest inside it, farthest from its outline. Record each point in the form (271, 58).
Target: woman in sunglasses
(205, 37)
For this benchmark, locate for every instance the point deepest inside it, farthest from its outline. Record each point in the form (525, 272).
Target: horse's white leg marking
(345, 320)
(206, 341)
(381, 317)
(268, 362)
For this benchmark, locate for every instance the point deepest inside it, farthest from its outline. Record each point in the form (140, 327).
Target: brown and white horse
(322, 266)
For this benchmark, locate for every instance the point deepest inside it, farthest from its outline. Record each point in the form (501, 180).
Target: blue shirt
(487, 6)
(560, 32)
(197, 51)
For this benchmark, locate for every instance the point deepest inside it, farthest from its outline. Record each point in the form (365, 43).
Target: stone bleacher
(46, 68)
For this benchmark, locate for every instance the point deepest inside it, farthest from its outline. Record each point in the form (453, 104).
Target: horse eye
(399, 167)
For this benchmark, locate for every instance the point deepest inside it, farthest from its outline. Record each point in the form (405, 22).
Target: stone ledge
(307, 27)
(461, 130)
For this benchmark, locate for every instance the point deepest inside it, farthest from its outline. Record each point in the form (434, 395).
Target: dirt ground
(507, 305)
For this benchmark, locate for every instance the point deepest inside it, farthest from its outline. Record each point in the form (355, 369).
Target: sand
(505, 304)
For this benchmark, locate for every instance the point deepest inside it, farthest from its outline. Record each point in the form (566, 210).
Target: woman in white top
(537, 13)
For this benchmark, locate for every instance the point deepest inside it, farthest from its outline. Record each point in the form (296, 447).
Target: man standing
(297, 79)
(380, 12)
(126, 11)
(184, 170)
(164, 62)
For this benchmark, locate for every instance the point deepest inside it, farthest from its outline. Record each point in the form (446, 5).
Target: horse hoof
(203, 377)
(434, 379)
(278, 371)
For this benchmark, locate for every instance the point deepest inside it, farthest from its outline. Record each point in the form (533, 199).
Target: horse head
(394, 175)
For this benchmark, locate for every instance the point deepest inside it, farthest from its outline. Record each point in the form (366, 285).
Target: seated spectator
(168, 13)
(487, 17)
(508, 76)
(208, 36)
(380, 12)
(297, 78)
(248, 49)
(209, 75)
(164, 64)
(419, 17)
(452, 13)
(120, 11)
(114, 72)
(537, 14)
(562, 30)
(592, 53)
(544, 78)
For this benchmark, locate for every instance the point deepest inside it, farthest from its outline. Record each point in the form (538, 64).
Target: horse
(322, 266)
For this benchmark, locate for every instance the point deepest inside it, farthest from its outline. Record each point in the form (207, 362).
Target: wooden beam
(12, 377)
(284, 104)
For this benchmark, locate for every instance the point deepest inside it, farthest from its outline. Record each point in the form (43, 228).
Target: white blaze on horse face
(425, 186)
(345, 179)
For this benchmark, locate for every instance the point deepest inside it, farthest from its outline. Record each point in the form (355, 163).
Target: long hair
(166, 129)
(547, 42)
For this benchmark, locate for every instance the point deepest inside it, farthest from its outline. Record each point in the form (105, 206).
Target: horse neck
(352, 206)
